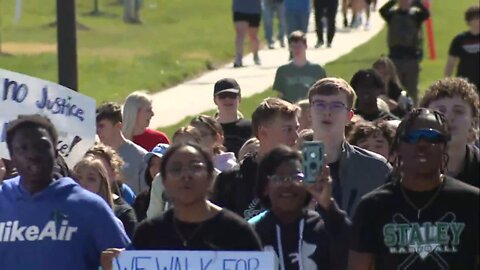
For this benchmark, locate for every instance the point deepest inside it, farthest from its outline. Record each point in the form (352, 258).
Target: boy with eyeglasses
(355, 171)
(237, 130)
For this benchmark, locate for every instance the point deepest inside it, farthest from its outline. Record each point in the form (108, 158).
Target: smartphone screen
(312, 160)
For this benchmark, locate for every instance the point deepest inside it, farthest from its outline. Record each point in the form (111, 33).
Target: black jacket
(235, 189)
(324, 239)
(470, 171)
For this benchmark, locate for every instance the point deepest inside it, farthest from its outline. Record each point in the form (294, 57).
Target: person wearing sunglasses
(355, 171)
(458, 100)
(237, 130)
(302, 239)
(421, 219)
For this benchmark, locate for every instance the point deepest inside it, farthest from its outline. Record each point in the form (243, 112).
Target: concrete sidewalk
(196, 96)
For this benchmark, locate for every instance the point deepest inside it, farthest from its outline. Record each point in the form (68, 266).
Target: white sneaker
(367, 25)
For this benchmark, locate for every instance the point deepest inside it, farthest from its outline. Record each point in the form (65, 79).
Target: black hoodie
(235, 189)
(324, 239)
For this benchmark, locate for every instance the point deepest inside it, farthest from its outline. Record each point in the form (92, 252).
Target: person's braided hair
(405, 125)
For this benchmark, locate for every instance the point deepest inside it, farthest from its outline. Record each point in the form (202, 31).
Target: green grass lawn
(176, 41)
(447, 20)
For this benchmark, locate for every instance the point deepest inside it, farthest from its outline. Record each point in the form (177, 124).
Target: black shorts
(252, 19)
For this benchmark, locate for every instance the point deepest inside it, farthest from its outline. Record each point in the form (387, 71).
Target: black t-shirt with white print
(466, 46)
(224, 231)
(445, 236)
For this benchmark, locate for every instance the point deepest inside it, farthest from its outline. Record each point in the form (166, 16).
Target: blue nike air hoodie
(62, 227)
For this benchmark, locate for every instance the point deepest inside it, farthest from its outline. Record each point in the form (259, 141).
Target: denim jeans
(269, 8)
(296, 20)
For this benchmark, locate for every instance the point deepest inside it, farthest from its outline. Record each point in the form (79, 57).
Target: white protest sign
(194, 260)
(73, 114)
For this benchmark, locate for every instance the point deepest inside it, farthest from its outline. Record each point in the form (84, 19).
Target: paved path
(196, 96)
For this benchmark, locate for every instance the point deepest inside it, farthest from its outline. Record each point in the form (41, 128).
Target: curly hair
(452, 87)
(363, 129)
(111, 156)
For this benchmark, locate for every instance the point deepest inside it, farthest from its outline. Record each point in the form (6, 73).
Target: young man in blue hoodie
(47, 223)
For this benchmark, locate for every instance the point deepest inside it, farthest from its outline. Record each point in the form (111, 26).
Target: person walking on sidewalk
(464, 50)
(404, 19)
(246, 19)
(269, 8)
(329, 9)
(297, 14)
(293, 80)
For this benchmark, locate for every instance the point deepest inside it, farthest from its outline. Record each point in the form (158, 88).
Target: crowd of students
(399, 188)
(391, 194)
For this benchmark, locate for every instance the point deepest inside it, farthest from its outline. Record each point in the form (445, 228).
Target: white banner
(73, 114)
(194, 260)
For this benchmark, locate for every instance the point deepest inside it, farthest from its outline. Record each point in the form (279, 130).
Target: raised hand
(321, 190)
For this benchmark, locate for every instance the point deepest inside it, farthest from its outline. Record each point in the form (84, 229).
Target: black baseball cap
(226, 85)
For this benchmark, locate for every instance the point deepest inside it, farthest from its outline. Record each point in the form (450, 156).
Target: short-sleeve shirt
(150, 138)
(293, 81)
(466, 46)
(443, 236)
(224, 231)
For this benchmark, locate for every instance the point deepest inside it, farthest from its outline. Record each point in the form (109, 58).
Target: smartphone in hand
(312, 160)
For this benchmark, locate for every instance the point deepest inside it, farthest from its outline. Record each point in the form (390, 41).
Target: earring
(445, 159)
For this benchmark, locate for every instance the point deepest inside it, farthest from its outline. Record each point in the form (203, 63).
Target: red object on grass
(431, 39)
